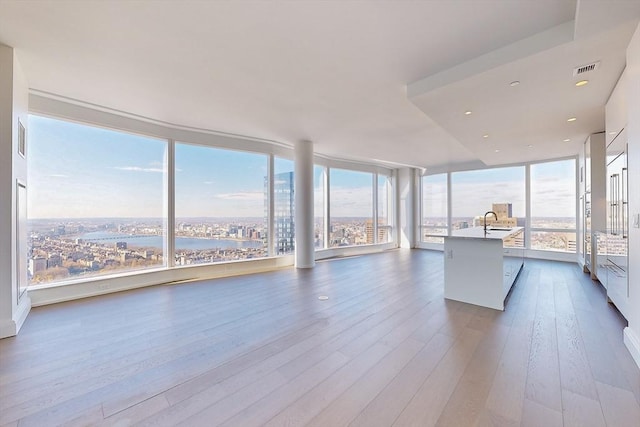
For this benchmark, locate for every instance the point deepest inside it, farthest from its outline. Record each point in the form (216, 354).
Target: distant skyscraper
(283, 195)
(382, 232)
(36, 265)
(503, 210)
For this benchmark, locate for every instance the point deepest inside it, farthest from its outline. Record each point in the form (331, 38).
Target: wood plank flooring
(386, 349)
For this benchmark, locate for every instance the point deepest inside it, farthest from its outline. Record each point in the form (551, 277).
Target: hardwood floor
(385, 349)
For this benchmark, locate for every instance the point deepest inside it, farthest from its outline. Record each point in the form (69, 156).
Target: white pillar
(303, 173)
(14, 100)
(406, 207)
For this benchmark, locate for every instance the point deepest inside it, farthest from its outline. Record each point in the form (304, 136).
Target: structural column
(14, 100)
(303, 173)
(406, 208)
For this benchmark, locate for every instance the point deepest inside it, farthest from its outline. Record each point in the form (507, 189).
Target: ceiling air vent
(586, 68)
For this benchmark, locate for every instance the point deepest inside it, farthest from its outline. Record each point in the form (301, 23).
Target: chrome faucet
(495, 215)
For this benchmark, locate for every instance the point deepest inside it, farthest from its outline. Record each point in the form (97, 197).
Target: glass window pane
(96, 201)
(553, 194)
(553, 241)
(351, 196)
(283, 194)
(432, 239)
(385, 209)
(319, 179)
(434, 207)
(220, 203)
(498, 189)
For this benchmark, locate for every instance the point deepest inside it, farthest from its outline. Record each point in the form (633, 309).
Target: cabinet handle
(612, 217)
(624, 206)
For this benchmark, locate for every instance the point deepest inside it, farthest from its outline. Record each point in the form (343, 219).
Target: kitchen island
(481, 267)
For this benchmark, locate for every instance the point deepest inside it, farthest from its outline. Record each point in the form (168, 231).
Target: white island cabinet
(480, 268)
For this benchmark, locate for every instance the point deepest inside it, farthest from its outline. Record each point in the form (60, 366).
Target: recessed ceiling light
(497, 151)
(571, 119)
(566, 140)
(486, 135)
(529, 146)
(467, 113)
(514, 83)
(613, 132)
(582, 83)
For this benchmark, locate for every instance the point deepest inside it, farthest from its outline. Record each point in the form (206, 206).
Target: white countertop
(478, 233)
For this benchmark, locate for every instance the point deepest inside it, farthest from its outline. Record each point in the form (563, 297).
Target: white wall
(14, 105)
(632, 71)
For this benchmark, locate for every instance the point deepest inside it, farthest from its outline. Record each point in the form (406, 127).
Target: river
(107, 238)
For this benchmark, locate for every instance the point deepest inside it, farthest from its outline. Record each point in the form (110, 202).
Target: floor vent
(586, 68)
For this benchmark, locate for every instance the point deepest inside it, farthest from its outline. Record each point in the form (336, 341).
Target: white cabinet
(617, 210)
(618, 223)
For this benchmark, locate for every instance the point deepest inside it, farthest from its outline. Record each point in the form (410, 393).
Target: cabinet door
(617, 223)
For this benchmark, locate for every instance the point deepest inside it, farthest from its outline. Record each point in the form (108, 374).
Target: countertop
(478, 233)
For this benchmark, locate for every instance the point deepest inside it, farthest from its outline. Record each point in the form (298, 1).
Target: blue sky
(80, 171)
(218, 183)
(77, 171)
(552, 190)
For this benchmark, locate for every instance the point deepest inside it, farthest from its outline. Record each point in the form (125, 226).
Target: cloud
(58, 175)
(139, 169)
(351, 201)
(241, 196)
(209, 182)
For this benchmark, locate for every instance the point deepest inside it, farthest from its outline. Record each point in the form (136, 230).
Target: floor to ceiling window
(384, 209)
(102, 202)
(434, 208)
(552, 202)
(219, 205)
(284, 206)
(96, 201)
(473, 193)
(351, 208)
(319, 206)
(553, 206)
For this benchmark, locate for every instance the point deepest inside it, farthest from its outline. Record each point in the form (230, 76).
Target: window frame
(529, 251)
(100, 117)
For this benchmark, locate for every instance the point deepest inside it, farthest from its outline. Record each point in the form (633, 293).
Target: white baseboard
(132, 280)
(10, 327)
(632, 342)
(24, 307)
(7, 328)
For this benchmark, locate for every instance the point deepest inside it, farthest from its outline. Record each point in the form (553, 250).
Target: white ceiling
(382, 80)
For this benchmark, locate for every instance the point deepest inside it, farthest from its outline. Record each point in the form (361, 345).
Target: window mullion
(374, 178)
(170, 205)
(271, 221)
(327, 207)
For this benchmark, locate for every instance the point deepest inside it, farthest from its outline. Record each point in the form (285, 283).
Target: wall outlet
(450, 254)
(636, 220)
